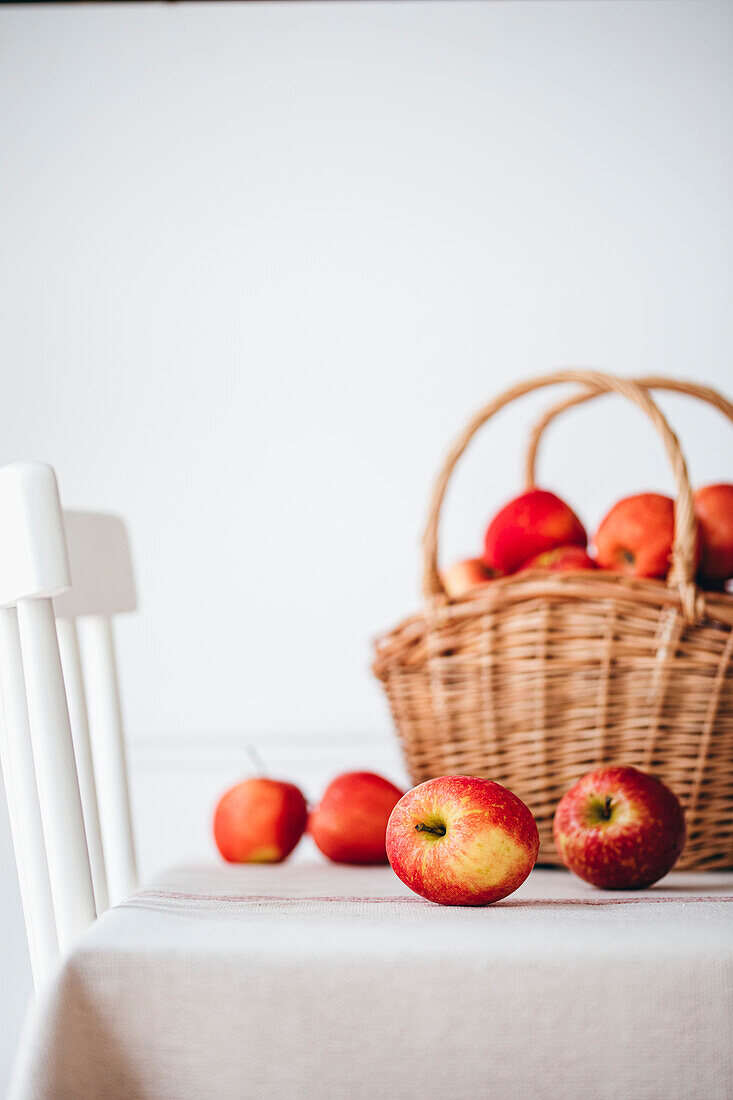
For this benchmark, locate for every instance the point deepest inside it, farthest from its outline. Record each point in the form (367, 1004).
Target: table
(310, 980)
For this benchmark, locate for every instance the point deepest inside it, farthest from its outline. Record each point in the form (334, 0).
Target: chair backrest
(62, 746)
(102, 586)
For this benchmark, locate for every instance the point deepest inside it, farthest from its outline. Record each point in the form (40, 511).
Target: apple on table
(619, 828)
(259, 820)
(350, 822)
(462, 840)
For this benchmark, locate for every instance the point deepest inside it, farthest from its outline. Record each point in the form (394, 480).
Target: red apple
(530, 524)
(461, 840)
(619, 828)
(350, 822)
(462, 576)
(714, 512)
(636, 536)
(259, 821)
(563, 559)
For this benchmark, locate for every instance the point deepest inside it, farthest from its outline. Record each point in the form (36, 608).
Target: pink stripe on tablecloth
(647, 899)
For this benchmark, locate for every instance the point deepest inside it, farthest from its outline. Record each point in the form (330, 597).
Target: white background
(259, 264)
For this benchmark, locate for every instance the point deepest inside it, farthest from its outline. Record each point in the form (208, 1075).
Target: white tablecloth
(316, 981)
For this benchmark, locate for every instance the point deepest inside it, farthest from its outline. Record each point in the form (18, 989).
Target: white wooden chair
(62, 578)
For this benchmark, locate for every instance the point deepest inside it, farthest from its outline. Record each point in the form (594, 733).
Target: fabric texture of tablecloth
(309, 980)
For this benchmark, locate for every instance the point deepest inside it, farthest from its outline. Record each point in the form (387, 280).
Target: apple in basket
(619, 828)
(259, 821)
(462, 840)
(714, 513)
(528, 525)
(350, 822)
(563, 559)
(463, 576)
(636, 536)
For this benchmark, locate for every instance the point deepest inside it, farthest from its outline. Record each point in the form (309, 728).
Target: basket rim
(538, 584)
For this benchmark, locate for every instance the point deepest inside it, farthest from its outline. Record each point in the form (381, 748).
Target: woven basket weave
(537, 678)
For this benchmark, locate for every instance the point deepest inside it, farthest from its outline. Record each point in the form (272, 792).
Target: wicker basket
(537, 678)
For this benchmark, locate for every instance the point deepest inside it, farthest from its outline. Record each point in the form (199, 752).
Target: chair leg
(53, 756)
(74, 680)
(16, 755)
(108, 752)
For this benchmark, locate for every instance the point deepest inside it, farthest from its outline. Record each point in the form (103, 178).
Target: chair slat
(16, 757)
(75, 696)
(108, 752)
(53, 756)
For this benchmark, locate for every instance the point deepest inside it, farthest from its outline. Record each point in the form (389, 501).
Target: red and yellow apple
(259, 821)
(636, 536)
(619, 828)
(563, 559)
(528, 525)
(714, 513)
(462, 840)
(463, 576)
(350, 822)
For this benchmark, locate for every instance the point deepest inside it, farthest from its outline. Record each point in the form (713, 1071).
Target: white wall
(261, 261)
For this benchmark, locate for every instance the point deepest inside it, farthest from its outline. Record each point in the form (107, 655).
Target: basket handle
(653, 382)
(682, 568)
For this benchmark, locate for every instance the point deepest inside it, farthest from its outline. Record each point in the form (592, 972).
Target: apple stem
(607, 808)
(436, 830)
(256, 761)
